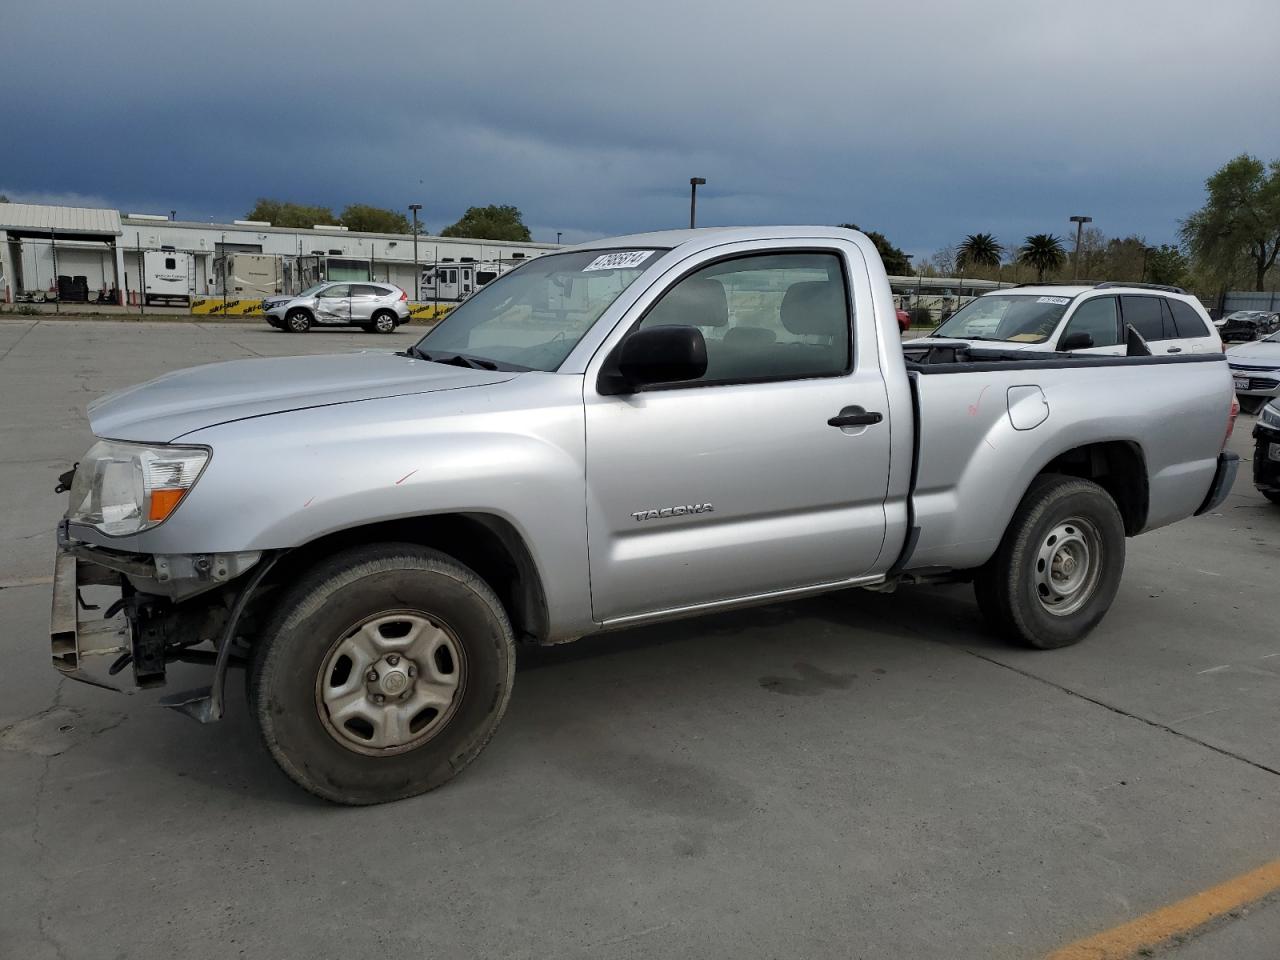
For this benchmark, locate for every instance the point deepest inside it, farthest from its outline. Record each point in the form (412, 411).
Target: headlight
(1271, 415)
(123, 488)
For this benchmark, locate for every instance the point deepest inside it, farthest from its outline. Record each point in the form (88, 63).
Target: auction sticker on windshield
(1058, 300)
(618, 261)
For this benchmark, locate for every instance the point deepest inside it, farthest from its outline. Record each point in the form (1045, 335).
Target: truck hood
(177, 403)
(1260, 352)
(1003, 345)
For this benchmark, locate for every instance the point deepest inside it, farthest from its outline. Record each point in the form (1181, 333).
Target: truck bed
(981, 433)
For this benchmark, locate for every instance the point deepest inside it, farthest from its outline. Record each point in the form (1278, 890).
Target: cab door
(333, 305)
(767, 474)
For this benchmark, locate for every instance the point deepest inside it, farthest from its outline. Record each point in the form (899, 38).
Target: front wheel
(297, 321)
(1058, 567)
(384, 672)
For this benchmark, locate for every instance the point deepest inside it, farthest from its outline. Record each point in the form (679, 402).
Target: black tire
(1009, 588)
(297, 321)
(384, 321)
(330, 602)
(1272, 495)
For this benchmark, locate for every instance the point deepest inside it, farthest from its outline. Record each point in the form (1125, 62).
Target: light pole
(417, 273)
(558, 232)
(694, 183)
(1079, 222)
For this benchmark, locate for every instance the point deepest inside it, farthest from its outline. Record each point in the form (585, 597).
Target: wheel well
(1117, 466)
(489, 545)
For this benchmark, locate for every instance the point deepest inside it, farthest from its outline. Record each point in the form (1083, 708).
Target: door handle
(1174, 350)
(854, 417)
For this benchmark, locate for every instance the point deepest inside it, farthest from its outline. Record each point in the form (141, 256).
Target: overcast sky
(925, 120)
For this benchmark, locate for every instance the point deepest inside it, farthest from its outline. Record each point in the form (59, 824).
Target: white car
(1085, 319)
(1256, 369)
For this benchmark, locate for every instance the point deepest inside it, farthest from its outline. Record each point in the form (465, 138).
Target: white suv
(1085, 319)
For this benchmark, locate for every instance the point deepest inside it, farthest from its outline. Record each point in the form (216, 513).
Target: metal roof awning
(38, 218)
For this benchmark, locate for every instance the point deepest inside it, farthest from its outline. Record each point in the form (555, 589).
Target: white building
(100, 251)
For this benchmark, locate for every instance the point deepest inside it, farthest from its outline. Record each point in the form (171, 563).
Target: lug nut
(413, 671)
(405, 695)
(371, 676)
(379, 698)
(393, 659)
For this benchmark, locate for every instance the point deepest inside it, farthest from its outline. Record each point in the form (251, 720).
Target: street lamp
(1079, 222)
(694, 183)
(417, 273)
(558, 232)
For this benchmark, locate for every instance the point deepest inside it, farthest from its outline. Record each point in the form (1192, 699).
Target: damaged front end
(149, 611)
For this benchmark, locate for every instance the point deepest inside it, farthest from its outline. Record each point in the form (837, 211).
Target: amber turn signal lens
(163, 503)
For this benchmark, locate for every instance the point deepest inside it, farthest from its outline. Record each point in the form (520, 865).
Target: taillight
(403, 295)
(1231, 419)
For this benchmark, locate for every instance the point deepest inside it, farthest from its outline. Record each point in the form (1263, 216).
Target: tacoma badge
(672, 511)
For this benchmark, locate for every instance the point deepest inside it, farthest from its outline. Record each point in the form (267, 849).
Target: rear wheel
(297, 321)
(1058, 567)
(1272, 495)
(384, 321)
(383, 673)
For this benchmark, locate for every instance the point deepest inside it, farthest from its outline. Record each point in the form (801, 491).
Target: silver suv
(378, 307)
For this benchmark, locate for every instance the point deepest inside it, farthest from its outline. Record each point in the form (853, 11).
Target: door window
(1098, 318)
(764, 317)
(364, 290)
(1145, 316)
(337, 291)
(1186, 321)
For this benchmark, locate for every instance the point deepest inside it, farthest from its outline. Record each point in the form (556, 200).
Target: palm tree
(979, 250)
(1042, 251)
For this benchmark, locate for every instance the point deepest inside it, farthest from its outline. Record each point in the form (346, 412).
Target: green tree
(896, 262)
(280, 213)
(361, 216)
(1240, 221)
(1042, 252)
(978, 250)
(1166, 264)
(3, 198)
(493, 222)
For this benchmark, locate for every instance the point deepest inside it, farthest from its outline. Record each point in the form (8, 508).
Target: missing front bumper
(83, 648)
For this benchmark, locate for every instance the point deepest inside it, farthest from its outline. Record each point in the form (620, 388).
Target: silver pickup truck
(632, 430)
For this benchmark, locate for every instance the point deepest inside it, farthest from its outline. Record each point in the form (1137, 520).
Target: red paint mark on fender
(308, 503)
(405, 477)
(973, 407)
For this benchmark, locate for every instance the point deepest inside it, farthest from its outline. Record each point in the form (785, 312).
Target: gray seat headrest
(814, 307)
(697, 302)
(750, 337)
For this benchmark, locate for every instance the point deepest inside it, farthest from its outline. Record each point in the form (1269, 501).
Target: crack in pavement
(15, 343)
(1125, 713)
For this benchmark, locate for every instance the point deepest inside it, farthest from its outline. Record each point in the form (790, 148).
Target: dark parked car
(1248, 325)
(1266, 454)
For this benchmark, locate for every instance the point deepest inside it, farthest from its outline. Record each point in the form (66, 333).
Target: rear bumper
(1223, 479)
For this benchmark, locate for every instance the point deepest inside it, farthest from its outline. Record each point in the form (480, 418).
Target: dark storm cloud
(925, 121)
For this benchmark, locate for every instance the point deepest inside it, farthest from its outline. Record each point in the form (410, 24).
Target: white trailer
(168, 276)
(249, 275)
(450, 281)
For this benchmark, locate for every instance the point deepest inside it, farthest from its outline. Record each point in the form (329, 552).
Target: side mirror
(672, 354)
(1076, 341)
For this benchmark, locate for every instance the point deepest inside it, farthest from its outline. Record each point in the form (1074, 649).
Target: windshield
(1020, 318)
(533, 316)
(312, 290)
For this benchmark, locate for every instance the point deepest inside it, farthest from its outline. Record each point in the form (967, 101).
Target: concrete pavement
(856, 775)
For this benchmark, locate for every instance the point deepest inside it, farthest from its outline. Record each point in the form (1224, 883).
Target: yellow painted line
(1177, 919)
